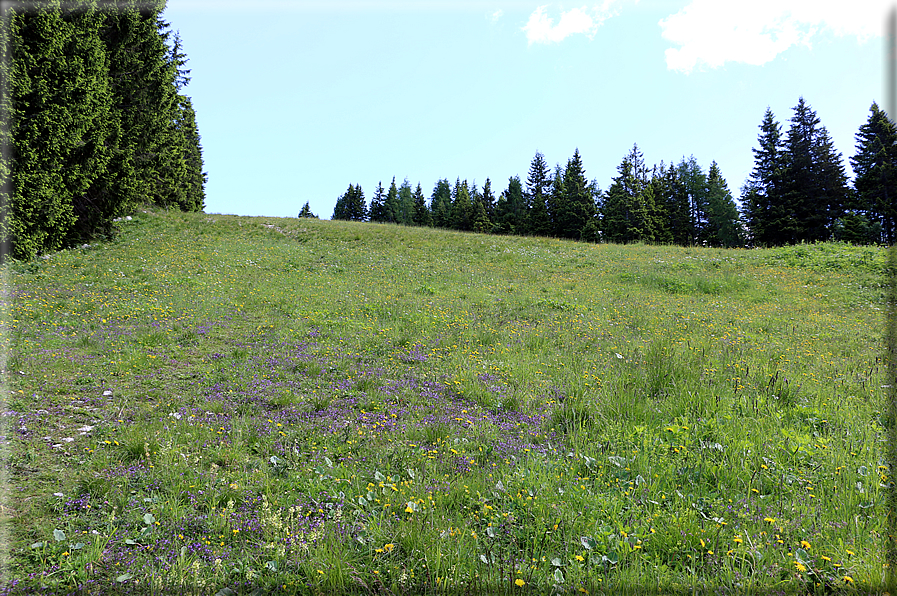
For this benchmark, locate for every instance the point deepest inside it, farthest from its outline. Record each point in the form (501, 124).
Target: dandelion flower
(805, 544)
(520, 583)
(848, 579)
(799, 566)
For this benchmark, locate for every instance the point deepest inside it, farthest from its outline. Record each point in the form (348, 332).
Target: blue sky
(295, 100)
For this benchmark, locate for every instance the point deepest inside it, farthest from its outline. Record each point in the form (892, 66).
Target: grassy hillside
(320, 407)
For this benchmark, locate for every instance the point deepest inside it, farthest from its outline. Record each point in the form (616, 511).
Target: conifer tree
(510, 210)
(488, 199)
(63, 136)
(356, 208)
(538, 187)
(422, 215)
(340, 211)
(693, 198)
(462, 208)
(393, 208)
(441, 204)
(762, 193)
(306, 211)
(577, 207)
(481, 222)
(814, 188)
(875, 169)
(628, 203)
(379, 212)
(405, 204)
(723, 224)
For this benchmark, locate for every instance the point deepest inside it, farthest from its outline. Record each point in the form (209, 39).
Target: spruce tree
(578, 206)
(510, 210)
(441, 204)
(422, 215)
(538, 187)
(379, 212)
(356, 209)
(340, 209)
(762, 192)
(693, 197)
(306, 211)
(462, 208)
(393, 208)
(63, 130)
(875, 170)
(405, 204)
(814, 187)
(628, 203)
(488, 199)
(723, 224)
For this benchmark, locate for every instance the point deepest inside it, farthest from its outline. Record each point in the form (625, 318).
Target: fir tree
(441, 204)
(762, 192)
(405, 204)
(422, 216)
(488, 199)
(538, 185)
(875, 169)
(462, 208)
(306, 211)
(63, 136)
(578, 206)
(814, 188)
(510, 210)
(393, 208)
(628, 203)
(723, 225)
(379, 212)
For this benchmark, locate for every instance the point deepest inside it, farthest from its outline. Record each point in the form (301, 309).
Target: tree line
(94, 120)
(797, 192)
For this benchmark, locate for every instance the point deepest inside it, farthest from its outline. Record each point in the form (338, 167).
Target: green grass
(331, 407)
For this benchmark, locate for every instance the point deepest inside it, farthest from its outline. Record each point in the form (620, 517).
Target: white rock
(67, 440)
(107, 393)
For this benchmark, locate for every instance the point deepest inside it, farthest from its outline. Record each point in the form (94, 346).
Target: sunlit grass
(325, 407)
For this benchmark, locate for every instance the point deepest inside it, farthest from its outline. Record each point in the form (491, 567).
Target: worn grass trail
(306, 406)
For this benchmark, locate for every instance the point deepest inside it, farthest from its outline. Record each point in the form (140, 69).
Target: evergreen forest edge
(797, 192)
(95, 122)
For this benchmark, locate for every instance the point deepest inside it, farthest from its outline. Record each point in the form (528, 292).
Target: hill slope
(239, 402)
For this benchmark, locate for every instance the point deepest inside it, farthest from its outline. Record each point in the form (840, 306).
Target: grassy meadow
(233, 405)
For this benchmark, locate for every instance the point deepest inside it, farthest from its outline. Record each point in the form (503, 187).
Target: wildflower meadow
(223, 405)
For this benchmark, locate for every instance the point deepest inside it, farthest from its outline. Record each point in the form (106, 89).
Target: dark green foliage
(421, 215)
(538, 187)
(798, 188)
(578, 206)
(510, 210)
(462, 207)
(393, 208)
(761, 194)
(875, 169)
(379, 212)
(441, 204)
(63, 137)
(488, 199)
(629, 203)
(306, 211)
(723, 227)
(96, 124)
(350, 205)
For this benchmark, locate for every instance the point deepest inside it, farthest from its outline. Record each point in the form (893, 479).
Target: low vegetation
(220, 404)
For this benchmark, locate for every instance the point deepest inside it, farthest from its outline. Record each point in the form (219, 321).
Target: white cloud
(541, 28)
(713, 32)
(497, 15)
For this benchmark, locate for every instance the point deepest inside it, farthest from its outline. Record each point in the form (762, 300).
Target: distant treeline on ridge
(94, 120)
(797, 192)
